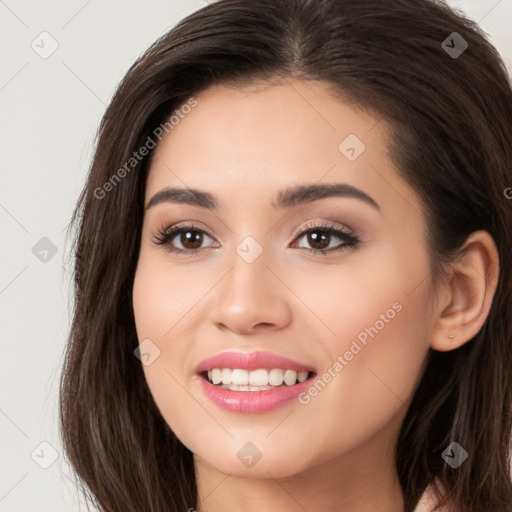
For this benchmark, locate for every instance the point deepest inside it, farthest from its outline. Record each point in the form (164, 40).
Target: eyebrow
(287, 198)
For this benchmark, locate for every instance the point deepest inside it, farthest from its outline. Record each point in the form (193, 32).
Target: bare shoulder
(428, 502)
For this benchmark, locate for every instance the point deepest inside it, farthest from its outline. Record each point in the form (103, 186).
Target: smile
(254, 382)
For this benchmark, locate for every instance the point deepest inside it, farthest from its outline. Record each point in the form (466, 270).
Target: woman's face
(246, 281)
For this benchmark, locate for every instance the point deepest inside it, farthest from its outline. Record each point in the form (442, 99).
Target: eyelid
(166, 227)
(323, 225)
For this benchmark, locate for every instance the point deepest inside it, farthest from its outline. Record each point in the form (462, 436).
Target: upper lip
(251, 361)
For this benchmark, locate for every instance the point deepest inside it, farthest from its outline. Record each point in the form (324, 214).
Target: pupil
(314, 238)
(189, 238)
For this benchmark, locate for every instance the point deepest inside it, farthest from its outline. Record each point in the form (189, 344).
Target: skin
(336, 452)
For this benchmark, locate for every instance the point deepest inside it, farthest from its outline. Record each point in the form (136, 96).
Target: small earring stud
(451, 337)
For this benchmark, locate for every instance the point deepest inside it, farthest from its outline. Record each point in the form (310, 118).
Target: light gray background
(51, 109)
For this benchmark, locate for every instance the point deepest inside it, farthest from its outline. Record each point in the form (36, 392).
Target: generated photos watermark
(344, 359)
(144, 150)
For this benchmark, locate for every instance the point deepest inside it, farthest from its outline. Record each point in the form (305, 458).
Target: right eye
(189, 235)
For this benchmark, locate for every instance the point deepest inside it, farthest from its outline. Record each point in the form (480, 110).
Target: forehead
(251, 142)
(266, 120)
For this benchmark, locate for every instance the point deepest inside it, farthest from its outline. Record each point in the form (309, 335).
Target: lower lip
(253, 402)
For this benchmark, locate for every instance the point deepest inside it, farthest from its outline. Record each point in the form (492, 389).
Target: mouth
(253, 371)
(253, 382)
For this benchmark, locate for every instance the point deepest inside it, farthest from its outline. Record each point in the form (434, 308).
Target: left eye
(192, 237)
(319, 235)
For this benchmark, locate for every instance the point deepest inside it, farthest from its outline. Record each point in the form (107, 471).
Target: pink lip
(252, 401)
(252, 361)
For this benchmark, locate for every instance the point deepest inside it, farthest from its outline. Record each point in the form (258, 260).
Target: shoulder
(428, 502)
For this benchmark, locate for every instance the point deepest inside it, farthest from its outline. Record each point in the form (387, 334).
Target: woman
(293, 267)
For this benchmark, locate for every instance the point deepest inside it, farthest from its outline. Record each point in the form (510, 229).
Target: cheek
(163, 296)
(163, 304)
(376, 351)
(159, 304)
(375, 379)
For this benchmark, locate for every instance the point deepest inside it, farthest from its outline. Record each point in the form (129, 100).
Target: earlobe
(467, 294)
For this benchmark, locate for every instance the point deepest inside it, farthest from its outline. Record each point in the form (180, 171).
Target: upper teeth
(261, 377)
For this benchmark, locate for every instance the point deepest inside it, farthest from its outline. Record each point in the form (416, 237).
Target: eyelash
(351, 241)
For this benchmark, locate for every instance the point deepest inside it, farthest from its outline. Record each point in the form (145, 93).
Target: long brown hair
(450, 116)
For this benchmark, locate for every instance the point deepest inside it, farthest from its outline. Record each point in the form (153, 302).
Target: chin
(271, 462)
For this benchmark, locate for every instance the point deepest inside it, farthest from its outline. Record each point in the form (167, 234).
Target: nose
(251, 298)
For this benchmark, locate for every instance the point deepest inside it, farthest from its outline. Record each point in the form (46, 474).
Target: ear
(466, 296)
